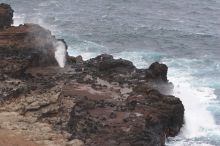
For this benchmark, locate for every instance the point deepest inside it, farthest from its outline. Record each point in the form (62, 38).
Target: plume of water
(18, 19)
(60, 53)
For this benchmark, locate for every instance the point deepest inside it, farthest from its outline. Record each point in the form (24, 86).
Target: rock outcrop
(26, 45)
(102, 101)
(157, 72)
(6, 16)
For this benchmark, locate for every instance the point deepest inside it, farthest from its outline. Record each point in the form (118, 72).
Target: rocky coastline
(99, 102)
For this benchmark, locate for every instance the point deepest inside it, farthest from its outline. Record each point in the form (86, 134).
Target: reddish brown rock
(143, 119)
(24, 46)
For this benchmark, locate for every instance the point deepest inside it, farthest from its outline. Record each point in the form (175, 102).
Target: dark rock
(77, 59)
(157, 71)
(106, 63)
(6, 16)
(10, 89)
(140, 121)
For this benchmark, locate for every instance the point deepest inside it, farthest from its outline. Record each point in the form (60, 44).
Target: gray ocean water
(184, 34)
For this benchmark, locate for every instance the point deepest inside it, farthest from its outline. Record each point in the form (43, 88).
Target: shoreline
(100, 101)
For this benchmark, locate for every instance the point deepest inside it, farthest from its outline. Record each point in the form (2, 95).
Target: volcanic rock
(157, 71)
(106, 63)
(24, 46)
(102, 101)
(6, 16)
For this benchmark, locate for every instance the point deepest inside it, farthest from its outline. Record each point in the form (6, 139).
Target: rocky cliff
(99, 102)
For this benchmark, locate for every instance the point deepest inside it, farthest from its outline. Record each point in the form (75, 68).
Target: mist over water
(183, 34)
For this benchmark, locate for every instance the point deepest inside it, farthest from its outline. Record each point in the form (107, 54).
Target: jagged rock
(25, 46)
(28, 39)
(6, 15)
(140, 120)
(11, 88)
(77, 59)
(106, 63)
(94, 115)
(157, 71)
(102, 101)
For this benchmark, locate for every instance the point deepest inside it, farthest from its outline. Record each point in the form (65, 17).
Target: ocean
(184, 34)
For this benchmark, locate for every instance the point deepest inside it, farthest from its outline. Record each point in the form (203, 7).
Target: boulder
(6, 16)
(106, 63)
(157, 71)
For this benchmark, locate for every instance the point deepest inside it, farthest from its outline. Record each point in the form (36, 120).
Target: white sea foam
(197, 98)
(187, 143)
(60, 53)
(198, 120)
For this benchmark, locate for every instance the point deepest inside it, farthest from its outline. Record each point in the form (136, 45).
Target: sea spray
(60, 48)
(60, 53)
(198, 120)
(18, 19)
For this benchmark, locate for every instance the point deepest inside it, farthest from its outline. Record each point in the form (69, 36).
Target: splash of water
(198, 120)
(60, 53)
(18, 19)
(60, 50)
